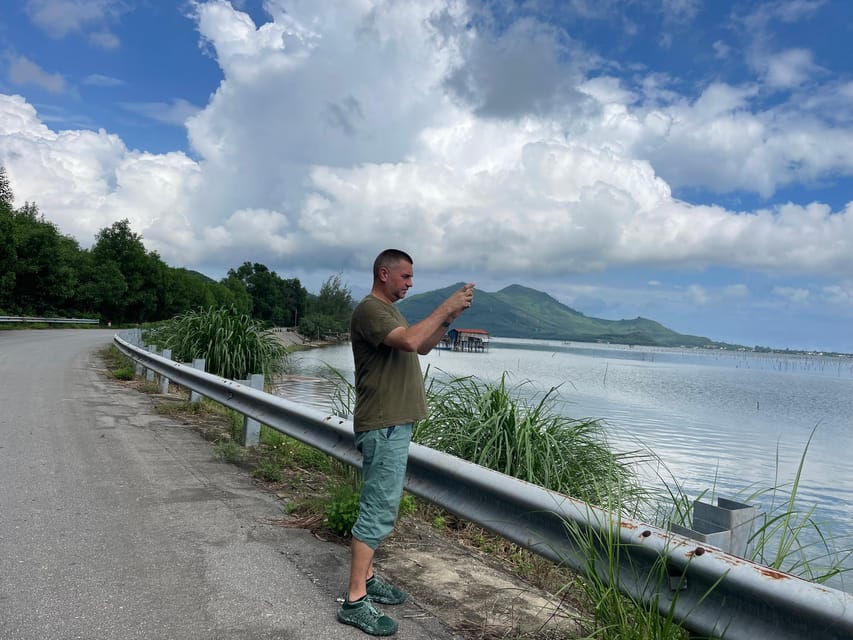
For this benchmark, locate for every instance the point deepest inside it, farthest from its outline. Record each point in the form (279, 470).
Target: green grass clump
(292, 453)
(124, 373)
(234, 345)
(491, 425)
(119, 365)
(341, 511)
(268, 469)
(229, 451)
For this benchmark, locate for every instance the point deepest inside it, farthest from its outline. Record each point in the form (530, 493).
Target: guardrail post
(726, 526)
(198, 363)
(251, 427)
(134, 337)
(149, 373)
(164, 381)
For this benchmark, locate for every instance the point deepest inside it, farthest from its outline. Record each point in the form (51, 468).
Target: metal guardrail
(34, 320)
(709, 591)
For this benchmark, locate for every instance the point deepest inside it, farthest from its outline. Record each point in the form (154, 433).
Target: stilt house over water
(474, 340)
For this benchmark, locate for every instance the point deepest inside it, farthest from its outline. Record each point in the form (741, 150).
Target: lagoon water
(729, 423)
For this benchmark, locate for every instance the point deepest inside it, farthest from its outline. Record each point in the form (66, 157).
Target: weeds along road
(117, 523)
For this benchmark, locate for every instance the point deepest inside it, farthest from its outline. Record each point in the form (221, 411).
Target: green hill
(521, 312)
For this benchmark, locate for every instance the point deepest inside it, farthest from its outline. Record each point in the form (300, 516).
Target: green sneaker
(380, 591)
(365, 616)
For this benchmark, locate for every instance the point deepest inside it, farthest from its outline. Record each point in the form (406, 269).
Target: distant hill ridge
(520, 312)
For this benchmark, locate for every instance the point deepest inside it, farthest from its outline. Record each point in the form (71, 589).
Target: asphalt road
(117, 523)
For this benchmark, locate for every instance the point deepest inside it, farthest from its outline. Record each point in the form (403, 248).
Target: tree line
(46, 273)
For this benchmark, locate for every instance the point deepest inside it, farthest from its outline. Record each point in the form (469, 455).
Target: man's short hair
(390, 258)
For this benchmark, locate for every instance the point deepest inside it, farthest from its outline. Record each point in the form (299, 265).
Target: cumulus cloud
(520, 71)
(340, 130)
(85, 180)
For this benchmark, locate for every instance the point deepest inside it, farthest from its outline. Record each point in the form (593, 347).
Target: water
(724, 422)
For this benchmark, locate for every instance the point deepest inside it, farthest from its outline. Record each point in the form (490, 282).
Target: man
(389, 399)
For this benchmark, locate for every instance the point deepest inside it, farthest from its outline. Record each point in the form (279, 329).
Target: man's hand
(461, 300)
(424, 335)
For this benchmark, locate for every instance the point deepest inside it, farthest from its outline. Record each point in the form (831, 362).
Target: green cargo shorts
(386, 452)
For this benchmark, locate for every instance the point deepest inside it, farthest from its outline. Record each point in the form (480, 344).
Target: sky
(688, 161)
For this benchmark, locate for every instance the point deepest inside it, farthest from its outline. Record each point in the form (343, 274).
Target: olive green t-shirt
(389, 385)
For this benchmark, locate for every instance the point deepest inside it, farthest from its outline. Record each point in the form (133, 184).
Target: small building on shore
(473, 340)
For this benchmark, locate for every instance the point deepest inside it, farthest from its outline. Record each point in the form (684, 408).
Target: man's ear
(383, 274)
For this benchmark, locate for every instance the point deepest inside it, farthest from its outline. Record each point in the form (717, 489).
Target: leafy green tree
(274, 300)
(233, 292)
(101, 287)
(330, 311)
(295, 301)
(45, 275)
(186, 290)
(8, 255)
(144, 297)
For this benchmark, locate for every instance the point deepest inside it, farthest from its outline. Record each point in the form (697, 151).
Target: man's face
(399, 280)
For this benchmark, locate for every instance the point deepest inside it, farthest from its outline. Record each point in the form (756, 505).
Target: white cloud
(787, 69)
(98, 80)
(333, 135)
(697, 294)
(721, 49)
(797, 295)
(23, 71)
(58, 18)
(841, 294)
(736, 291)
(176, 112)
(105, 40)
(85, 180)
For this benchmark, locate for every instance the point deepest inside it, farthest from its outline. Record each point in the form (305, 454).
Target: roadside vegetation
(233, 344)
(492, 425)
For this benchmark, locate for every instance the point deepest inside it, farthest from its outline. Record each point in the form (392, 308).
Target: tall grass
(789, 537)
(493, 426)
(233, 344)
(609, 614)
(786, 534)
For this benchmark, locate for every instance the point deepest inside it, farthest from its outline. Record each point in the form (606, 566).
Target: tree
(6, 195)
(102, 287)
(45, 274)
(233, 292)
(186, 291)
(330, 311)
(8, 256)
(142, 273)
(274, 300)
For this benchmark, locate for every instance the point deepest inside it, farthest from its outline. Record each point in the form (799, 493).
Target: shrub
(233, 344)
(342, 509)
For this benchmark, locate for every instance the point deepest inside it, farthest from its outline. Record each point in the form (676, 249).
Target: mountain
(521, 312)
